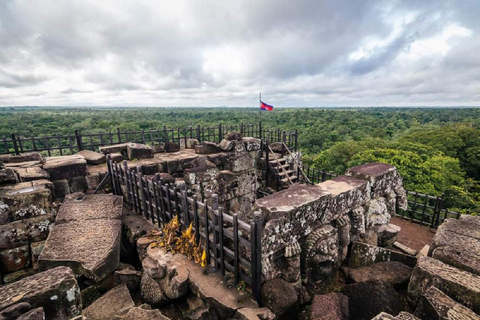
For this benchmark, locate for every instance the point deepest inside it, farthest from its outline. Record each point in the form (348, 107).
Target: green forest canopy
(437, 150)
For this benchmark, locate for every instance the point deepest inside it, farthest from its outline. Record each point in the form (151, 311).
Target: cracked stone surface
(86, 236)
(462, 286)
(109, 304)
(55, 290)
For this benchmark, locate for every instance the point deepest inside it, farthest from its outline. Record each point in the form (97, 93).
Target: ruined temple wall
(308, 228)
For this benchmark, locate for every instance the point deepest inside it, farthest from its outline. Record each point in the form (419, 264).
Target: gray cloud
(298, 53)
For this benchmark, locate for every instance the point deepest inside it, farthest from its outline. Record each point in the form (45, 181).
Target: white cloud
(302, 53)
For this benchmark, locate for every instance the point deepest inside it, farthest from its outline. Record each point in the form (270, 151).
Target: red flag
(265, 107)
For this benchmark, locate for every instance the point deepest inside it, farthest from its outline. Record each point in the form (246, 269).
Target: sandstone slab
(55, 290)
(24, 231)
(172, 147)
(462, 286)
(457, 243)
(116, 148)
(93, 157)
(31, 173)
(139, 151)
(86, 236)
(396, 273)
(23, 157)
(65, 167)
(15, 259)
(437, 305)
(207, 148)
(255, 314)
(25, 200)
(109, 304)
(138, 313)
(332, 306)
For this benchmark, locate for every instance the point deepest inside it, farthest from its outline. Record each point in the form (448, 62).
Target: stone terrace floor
(413, 234)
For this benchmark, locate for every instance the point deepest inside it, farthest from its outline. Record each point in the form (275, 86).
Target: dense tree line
(437, 150)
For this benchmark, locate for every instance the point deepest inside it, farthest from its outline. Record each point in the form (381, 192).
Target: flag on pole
(265, 107)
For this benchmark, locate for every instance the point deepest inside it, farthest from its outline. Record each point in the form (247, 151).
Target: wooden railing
(72, 143)
(232, 245)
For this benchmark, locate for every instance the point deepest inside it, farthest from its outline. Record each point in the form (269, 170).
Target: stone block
(7, 176)
(276, 146)
(362, 254)
(93, 157)
(25, 200)
(15, 259)
(207, 148)
(332, 306)
(129, 277)
(281, 298)
(460, 285)
(242, 162)
(77, 184)
(387, 234)
(172, 147)
(108, 305)
(233, 136)
(188, 143)
(289, 215)
(31, 173)
(56, 288)
(61, 188)
(457, 243)
(139, 151)
(23, 157)
(218, 159)
(93, 256)
(252, 144)
(158, 148)
(117, 157)
(393, 272)
(226, 145)
(65, 167)
(24, 231)
(435, 304)
(36, 248)
(116, 148)
(383, 178)
(239, 147)
(400, 246)
(92, 180)
(346, 193)
(236, 184)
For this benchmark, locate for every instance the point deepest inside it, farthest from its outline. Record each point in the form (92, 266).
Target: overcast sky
(211, 53)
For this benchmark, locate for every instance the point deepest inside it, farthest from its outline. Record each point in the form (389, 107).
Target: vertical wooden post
(283, 143)
(267, 164)
(186, 217)
(220, 236)
(207, 238)
(260, 130)
(165, 134)
(296, 140)
(195, 219)
(127, 182)
(78, 138)
(215, 231)
(257, 258)
(236, 270)
(119, 135)
(220, 133)
(142, 192)
(15, 146)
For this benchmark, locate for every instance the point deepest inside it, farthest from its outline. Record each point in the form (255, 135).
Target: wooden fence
(72, 143)
(232, 245)
(426, 209)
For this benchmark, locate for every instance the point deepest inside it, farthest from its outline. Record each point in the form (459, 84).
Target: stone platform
(86, 236)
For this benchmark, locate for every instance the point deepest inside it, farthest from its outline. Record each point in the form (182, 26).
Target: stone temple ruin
(79, 238)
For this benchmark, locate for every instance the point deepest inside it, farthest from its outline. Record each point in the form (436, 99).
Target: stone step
(286, 180)
(279, 160)
(286, 172)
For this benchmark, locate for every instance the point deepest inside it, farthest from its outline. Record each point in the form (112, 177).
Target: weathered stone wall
(307, 228)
